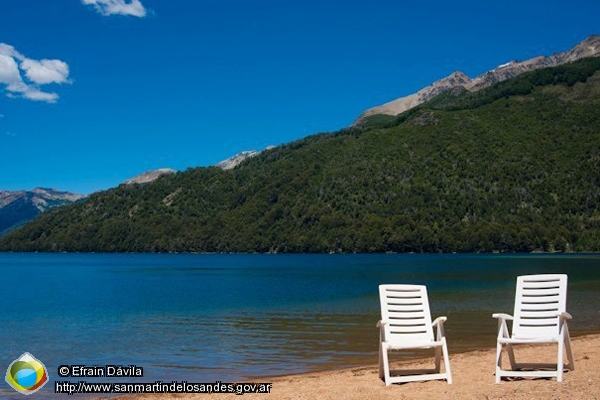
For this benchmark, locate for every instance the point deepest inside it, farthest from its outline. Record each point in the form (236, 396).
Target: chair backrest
(405, 310)
(538, 299)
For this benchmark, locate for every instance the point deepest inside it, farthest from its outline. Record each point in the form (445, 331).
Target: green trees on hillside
(512, 168)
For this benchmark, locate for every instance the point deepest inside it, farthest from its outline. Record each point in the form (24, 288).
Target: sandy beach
(473, 375)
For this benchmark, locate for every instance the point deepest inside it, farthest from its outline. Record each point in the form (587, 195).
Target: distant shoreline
(311, 253)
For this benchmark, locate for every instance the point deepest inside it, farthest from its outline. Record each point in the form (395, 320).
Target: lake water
(204, 318)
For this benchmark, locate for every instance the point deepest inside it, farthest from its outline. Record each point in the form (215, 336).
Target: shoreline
(209, 253)
(473, 375)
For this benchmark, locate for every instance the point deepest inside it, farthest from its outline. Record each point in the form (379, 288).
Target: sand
(473, 375)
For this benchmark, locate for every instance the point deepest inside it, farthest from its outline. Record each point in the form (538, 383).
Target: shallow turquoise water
(203, 318)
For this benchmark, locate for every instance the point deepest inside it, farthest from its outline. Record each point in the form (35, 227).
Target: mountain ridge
(21, 206)
(589, 47)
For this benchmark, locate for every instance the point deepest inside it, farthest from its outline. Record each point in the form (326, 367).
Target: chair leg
(381, 376)
(560, 365)
(386, 364)
(438, 356)
(511, 357)
(567, 339)
(447, 363)
(498, 361)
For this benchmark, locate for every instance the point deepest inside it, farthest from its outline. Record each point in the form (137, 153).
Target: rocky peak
(590, 47)
(235, 160)
(395, 107)
(149, 176)
(457, 78)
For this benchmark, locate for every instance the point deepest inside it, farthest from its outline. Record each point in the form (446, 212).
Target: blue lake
(204, 318)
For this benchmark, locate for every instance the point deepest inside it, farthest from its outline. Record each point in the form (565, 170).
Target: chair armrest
(439, 322)
(502, 325)
(565, 315)
(381, 325)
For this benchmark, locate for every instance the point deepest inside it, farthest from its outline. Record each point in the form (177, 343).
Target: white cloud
(9, 70)
(120, 7)
(46, 71)
(9, 51)
(38, 95)
(30, 92)
(37, 73)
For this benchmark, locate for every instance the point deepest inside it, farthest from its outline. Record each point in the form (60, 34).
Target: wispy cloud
(120, 7)
(37, 73)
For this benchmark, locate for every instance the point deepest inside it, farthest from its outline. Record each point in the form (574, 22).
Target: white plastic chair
(540, 316)
(406, 324)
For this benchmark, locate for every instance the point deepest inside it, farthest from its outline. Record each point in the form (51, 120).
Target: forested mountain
(513, 167)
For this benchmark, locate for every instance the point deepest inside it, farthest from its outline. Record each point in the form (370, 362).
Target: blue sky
(93, 92)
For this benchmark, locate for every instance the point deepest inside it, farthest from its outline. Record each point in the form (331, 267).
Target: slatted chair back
(539, 300)
(405, 311)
